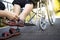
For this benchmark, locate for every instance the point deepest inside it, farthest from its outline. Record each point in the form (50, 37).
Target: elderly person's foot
(20, 23)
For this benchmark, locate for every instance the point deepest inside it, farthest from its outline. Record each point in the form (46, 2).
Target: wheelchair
(44, 13)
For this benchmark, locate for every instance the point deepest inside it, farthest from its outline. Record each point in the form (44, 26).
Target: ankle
(21, 19)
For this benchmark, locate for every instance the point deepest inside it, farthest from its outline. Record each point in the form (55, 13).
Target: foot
(20, 23)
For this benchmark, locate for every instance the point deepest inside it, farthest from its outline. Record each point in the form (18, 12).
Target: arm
(7, 14)
(3, 13)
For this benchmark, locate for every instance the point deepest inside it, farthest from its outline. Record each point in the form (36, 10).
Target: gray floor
(33, 33)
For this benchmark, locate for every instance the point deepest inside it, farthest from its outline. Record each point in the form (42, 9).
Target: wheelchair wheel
(43, 16)
(51, 18)
(42, 23)
(51, 13)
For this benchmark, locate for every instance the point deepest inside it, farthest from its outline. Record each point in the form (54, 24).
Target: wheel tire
(52, 18)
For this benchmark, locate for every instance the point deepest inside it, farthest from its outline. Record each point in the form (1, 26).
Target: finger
(15, 19)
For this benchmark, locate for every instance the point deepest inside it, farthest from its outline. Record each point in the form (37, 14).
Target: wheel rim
(43, 23)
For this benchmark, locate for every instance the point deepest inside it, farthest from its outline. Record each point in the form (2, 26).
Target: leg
(22, 16)
(16, 9)
(28, 8)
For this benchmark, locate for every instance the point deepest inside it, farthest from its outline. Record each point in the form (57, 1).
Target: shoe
(12, 33)
(5, 36)
(10, 23)
(18, 23)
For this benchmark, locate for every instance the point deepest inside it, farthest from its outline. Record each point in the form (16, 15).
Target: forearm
(4, 13)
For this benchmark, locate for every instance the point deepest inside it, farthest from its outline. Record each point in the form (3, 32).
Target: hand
(12, 16)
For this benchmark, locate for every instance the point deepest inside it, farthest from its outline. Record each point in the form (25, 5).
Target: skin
(9, 15)
(17, 12)
(22, 15)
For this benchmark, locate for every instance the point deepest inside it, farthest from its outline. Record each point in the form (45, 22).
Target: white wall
(9, 0)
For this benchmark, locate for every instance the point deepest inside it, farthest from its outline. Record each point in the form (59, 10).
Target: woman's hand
(12, 16)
